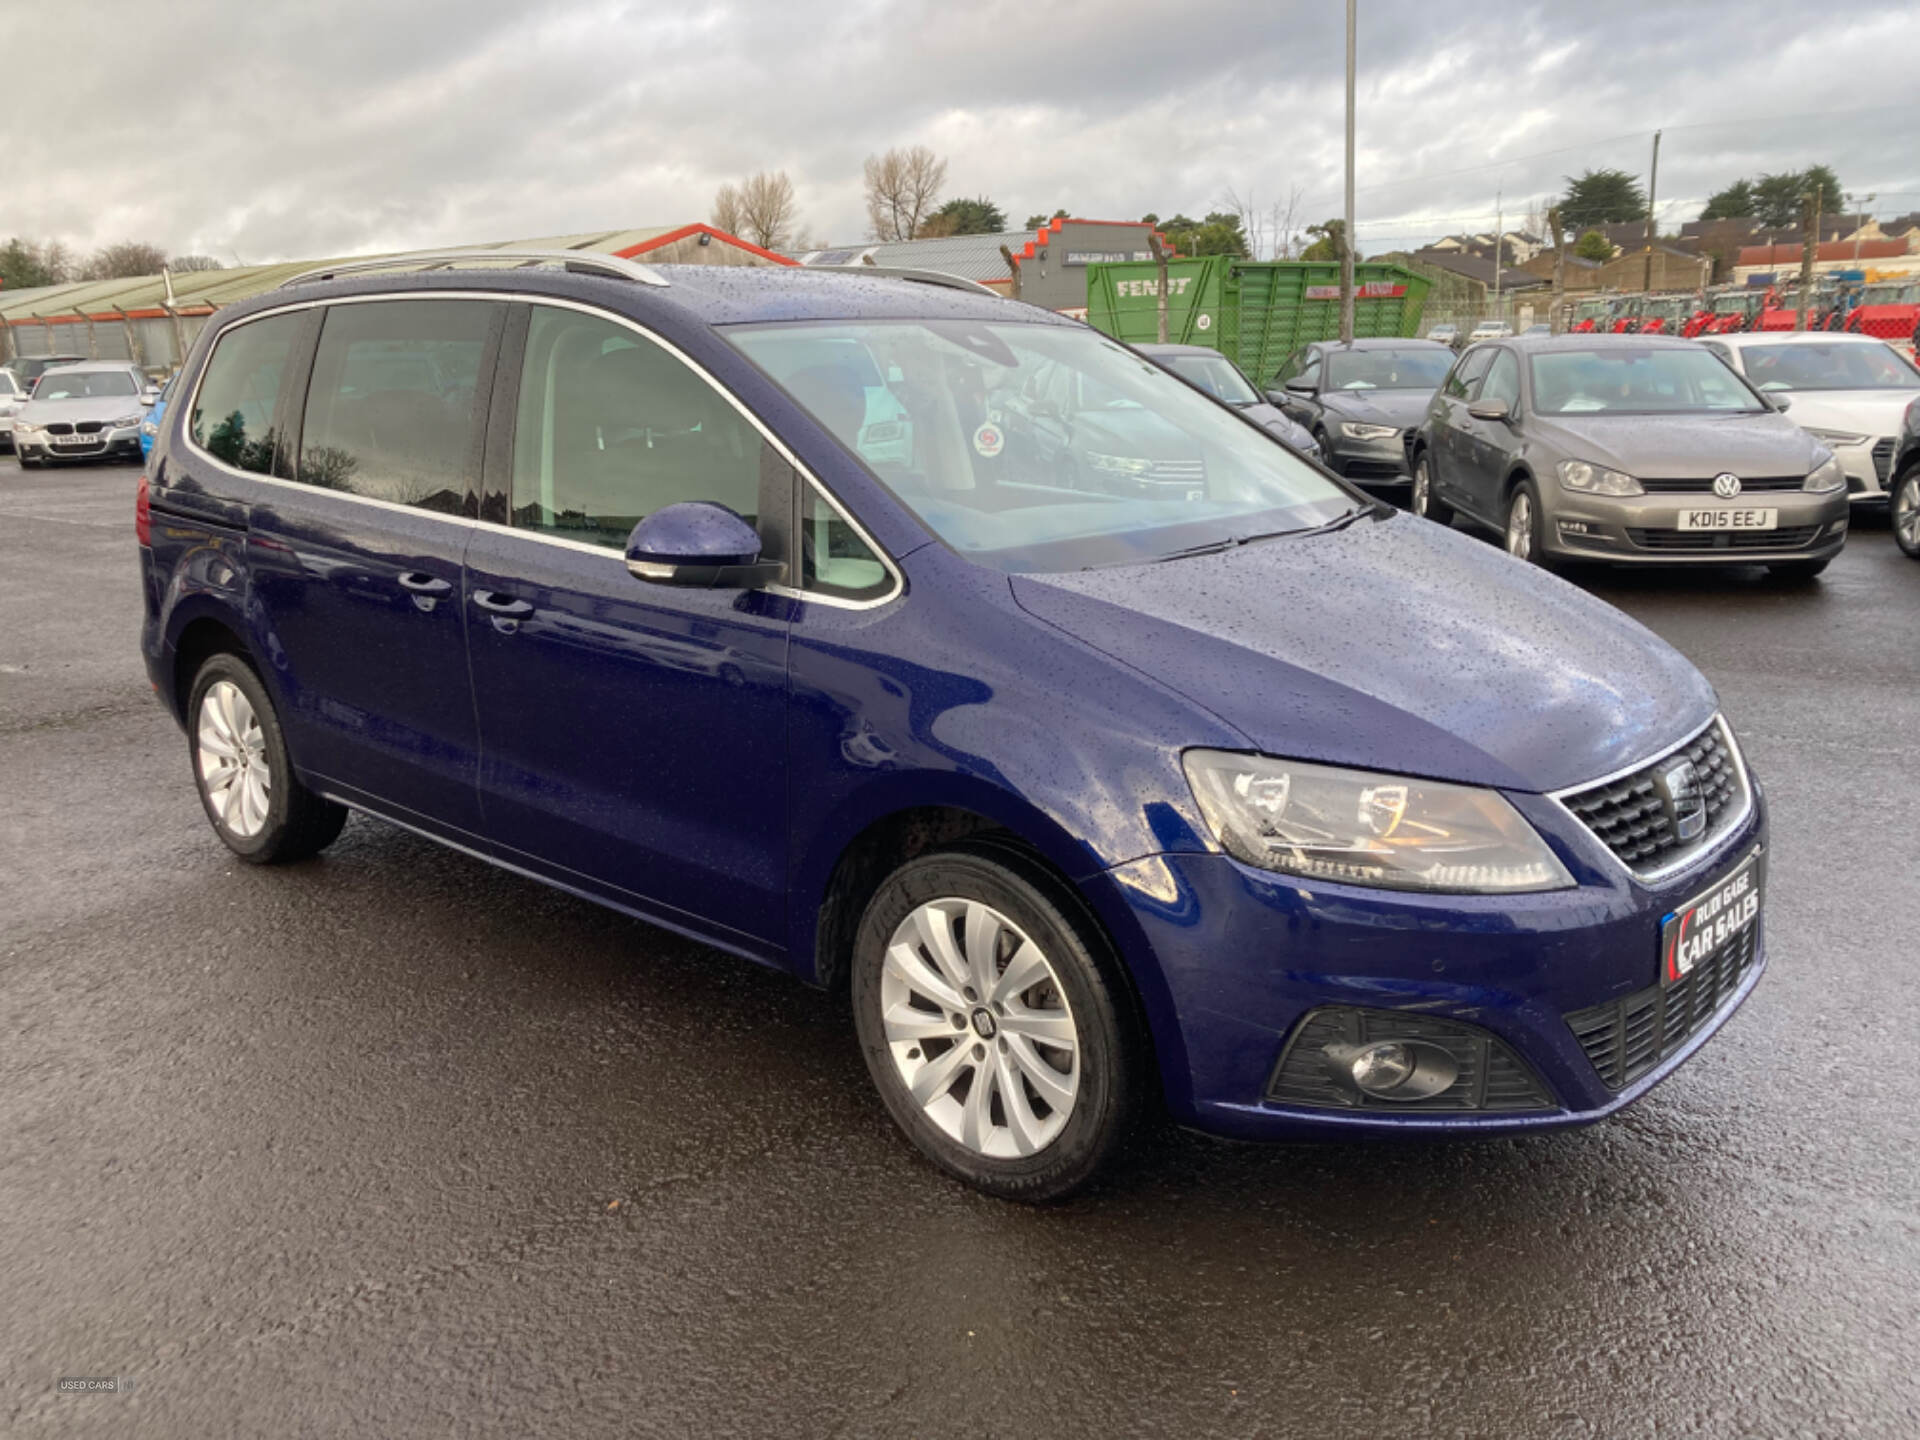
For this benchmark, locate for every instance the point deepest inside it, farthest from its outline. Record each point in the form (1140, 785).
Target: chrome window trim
(1709, 843)
(811, 597)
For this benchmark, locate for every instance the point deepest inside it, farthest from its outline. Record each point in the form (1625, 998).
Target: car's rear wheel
(1905, 513)
(992, 1022)
(1424, 501)
(257, 805)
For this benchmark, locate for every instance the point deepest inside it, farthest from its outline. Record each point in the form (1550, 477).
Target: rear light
(142, 514)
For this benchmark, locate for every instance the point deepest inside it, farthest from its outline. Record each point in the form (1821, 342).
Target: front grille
(1883, 458)
(1491, 1076)
(1710, 542)
(89, 427)
(1705, 487)
(1631, 817)
(1374, 470)
(1626, 1038)
(60, 427)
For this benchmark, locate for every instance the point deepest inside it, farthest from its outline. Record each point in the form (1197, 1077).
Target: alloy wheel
(231, 751)
(1906, 514)
(1520, 526)
(1422, 486)
(979, 1028)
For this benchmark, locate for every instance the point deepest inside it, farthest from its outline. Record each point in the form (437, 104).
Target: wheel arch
(198, 639)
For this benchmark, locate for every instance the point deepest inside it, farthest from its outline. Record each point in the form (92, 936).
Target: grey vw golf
(1626, 448)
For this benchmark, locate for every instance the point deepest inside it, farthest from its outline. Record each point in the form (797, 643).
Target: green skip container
(1256, 312)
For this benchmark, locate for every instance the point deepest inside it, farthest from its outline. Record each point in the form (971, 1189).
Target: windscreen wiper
(1234, 542)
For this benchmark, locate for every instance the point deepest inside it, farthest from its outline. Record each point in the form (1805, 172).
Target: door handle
(495, 603)
(421, 584)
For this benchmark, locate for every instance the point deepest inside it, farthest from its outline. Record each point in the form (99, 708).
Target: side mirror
(1490, 410)
(149, 397)
(1780, 403)
(701, 545)
(1300, 385)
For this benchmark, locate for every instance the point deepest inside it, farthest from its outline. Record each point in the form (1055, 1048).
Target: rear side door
(1487, 446)
(633, 735)
(357, 561)
(1450, 420)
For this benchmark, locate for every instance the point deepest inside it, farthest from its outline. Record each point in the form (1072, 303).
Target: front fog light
(1346, 1058)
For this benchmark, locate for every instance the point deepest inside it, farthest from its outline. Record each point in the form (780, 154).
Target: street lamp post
(1346, 249)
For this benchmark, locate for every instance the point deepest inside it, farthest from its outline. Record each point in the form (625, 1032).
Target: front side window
(1039, 447)
(1387, 369)
(611, 427)
(1836, 365)
(232, 417)
(1466, 375)
(391, 411)
(834, 560)
(1503, 380)
(1632, 380)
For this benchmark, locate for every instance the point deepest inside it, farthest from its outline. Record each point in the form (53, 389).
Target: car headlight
(1361, 828)
(1826, 478)
(1119, 464)
(1835, 437)
(125, 422)
(1353, 430)
(1595, 480)
(22, 427)
(148, 428)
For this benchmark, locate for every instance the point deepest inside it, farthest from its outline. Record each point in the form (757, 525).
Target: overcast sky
(275, 129)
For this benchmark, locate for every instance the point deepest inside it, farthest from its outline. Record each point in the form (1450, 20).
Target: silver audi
(1641, 449)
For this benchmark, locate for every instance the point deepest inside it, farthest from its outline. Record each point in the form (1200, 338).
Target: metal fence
(156, 344)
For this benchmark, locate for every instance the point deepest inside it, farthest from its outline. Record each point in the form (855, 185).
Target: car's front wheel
(1424, 501)
(257, 805)
(991, 1020)
(1523, 524)
(1904, 513)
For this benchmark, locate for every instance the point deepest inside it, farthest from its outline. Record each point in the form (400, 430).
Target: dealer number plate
(1720, 518)
(1700, 927)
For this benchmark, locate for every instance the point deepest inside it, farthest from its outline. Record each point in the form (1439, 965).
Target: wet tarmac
(393, 1143)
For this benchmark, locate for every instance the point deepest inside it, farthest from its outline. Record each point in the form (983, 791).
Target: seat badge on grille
(1686, 801)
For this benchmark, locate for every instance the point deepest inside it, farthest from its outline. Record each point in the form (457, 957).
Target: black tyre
(257, 805)
(994, 1022)
(1903, 512)
(1797, 572)
(1422, 500)
(1524, 527)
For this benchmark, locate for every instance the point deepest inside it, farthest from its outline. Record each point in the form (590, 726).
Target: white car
(1490, 330)
(12, 397)
(1849, 391)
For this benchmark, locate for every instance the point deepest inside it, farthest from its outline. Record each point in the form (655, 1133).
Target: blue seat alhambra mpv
(1100, 750)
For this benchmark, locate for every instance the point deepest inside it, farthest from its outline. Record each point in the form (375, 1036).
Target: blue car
(156, 416)
(1113, 761)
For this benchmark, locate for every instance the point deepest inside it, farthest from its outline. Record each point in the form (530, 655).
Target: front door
(633, 735)
(1451, 456)
(1487, 445)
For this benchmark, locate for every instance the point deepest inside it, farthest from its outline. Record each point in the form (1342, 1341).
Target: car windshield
(1387, 369)
(1038, 447)
(84, 384)
(1636, 380)
(1218, 376)
(1838, 365)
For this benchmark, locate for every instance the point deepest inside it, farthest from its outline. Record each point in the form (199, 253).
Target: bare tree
(727, 213)
(124, 261)
(1270, 231)
(185, 264)
(767, 209)
(901, 188)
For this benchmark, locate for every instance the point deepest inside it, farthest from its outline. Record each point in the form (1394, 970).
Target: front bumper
(107, 445)
(1380, 462)
(1644, 529)
(1246, 956)
(1864, 479)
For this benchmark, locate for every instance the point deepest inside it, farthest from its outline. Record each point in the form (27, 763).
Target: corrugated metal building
(1052, 260)
(152, 320)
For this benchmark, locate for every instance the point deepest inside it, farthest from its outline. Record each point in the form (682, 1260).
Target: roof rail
(904, 272)
(587, 262)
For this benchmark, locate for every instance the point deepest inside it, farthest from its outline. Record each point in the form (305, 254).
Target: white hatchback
(1849, 391)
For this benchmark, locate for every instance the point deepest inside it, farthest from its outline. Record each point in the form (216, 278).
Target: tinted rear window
(392, 409)
(232, 417)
